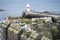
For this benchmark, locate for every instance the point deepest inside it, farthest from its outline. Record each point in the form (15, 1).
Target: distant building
(28, 13)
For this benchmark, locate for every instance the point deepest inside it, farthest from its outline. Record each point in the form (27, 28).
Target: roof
(6, 22)
(45, 38)
(4, 25)
(34, 34)
(30, 39)
(15, 26)
(13, 30)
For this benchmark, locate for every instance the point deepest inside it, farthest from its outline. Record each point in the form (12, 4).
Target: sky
(16, 7)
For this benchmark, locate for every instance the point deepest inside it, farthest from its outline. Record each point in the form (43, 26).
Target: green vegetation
(54, 30)
(28, 34)
(27, 21)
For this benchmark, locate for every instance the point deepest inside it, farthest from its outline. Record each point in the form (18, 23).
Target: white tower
(28, 7)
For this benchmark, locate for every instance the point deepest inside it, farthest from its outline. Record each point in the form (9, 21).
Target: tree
(54, 20)
(23, 15)
(47, 12)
